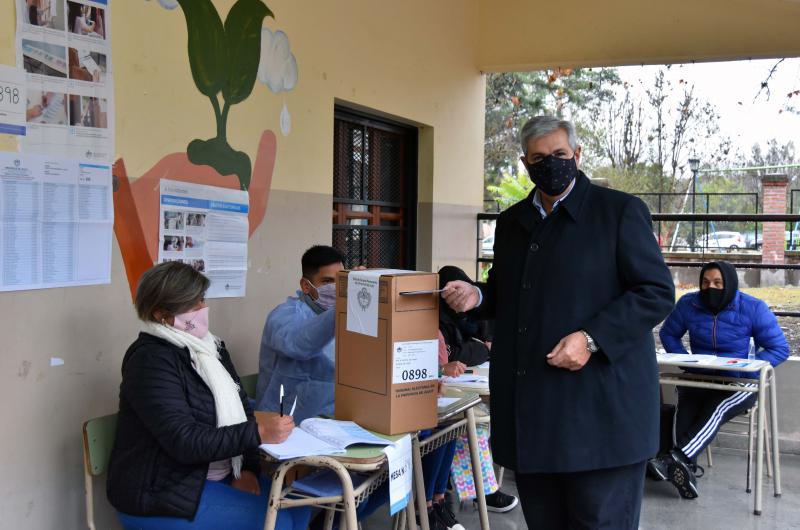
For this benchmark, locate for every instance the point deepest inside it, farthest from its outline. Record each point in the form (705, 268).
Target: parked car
(751, 242)
(722, 240)
(487, 246)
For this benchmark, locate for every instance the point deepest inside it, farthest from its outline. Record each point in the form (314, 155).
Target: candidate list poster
(57, 221)
(206, 227)
(64, 47)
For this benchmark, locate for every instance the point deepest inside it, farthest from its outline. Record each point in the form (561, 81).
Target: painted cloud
(278, 67)
(168, 4)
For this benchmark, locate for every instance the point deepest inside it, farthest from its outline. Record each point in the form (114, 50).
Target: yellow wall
(414, 60)
(528, 35)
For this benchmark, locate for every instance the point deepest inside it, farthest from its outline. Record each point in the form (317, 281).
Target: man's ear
(578, 151)
(304, 286)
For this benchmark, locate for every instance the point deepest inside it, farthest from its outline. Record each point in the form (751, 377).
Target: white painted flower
(277, 68)
(168, 4)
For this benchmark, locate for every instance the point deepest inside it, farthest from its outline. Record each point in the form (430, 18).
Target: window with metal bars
(374, 191)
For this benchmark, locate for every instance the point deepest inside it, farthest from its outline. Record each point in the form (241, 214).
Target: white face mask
(326, 294)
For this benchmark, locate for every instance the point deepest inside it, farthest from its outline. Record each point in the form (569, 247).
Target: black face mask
(712, 299)
(553, 175)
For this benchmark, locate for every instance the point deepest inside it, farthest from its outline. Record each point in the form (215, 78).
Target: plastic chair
(249, 383)
(98, 439)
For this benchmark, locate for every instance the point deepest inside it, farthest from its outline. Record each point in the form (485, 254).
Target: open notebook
(319, 436)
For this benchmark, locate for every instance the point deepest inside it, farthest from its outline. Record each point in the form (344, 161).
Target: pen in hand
(281, 401)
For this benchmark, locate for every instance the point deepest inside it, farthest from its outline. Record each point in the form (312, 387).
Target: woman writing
(186, 448)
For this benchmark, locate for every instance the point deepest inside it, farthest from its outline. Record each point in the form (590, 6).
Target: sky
(732, 86)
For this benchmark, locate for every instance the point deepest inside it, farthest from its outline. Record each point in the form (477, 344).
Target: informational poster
(64, 47)
(207, 228)
(400, 473)
(12, 100)
(57, 222)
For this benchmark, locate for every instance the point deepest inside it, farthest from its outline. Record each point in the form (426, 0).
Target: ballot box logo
(17, 162)
(364, 298)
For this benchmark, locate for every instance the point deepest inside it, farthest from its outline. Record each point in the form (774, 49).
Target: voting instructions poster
(64, 48)
(207, 228)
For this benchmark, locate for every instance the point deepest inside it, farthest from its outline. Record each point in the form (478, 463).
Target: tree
(515, 97)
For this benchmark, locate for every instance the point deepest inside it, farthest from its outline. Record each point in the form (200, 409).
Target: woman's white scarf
(205, 360)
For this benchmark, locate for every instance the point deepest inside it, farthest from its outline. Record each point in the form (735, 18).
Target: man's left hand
(571, 353)
(247, 482)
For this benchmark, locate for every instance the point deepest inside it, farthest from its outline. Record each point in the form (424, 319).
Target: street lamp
(694, 165)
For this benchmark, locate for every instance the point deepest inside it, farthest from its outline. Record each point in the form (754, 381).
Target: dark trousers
(604, 498)
(701, 412)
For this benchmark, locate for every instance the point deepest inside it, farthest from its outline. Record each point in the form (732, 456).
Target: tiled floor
(723, 502)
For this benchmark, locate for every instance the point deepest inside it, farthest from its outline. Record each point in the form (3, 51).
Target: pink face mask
(194, 322)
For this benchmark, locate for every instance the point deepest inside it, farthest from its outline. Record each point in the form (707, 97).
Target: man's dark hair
(317, 257)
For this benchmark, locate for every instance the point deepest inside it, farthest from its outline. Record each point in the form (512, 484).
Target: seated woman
(186, 448)
(721, 320)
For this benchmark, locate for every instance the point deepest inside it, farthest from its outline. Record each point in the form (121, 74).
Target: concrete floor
(723, 502)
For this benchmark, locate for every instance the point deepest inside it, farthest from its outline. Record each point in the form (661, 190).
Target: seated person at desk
(468, 339)
(721, 320)
(186, 451)
(297, 348)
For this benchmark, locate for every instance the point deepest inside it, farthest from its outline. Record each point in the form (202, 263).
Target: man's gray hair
(544, 125)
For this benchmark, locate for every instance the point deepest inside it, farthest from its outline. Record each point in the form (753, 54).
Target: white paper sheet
(415, 361)
(12, 100)
(207, 228)
(57, 221)
(362, 299)
(399, 456)
(69, 105)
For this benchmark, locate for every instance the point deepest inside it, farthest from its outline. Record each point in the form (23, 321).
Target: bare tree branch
(765, 82)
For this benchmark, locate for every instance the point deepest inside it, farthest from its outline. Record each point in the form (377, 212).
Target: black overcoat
(593, 264)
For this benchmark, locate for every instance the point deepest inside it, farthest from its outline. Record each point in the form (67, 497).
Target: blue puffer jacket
(728, 333)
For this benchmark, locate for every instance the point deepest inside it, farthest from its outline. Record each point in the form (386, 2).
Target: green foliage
(511, 189)
(223, 59)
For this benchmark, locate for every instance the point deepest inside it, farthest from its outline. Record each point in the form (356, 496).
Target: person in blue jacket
(721, 320)
(297, 346)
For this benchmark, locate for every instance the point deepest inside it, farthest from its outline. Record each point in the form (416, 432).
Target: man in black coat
(577, 285)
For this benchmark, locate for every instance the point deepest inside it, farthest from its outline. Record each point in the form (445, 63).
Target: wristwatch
(591, 345)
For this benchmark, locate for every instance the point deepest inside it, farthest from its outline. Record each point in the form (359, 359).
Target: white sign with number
(415, 361)
(400, 472)
(12, 100)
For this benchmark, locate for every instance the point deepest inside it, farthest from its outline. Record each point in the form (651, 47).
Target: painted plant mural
(226, 59)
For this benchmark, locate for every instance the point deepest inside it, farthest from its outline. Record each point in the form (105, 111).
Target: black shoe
(657, 468)
(499, 502)
(681, 476)
(434, 523)
(446, 517)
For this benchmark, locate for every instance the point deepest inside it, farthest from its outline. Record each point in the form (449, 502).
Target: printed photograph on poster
(88, 111)
(86, 20)
(48, 108)
(206, 227)
(44, 58)
(44, 13)
(86, 65)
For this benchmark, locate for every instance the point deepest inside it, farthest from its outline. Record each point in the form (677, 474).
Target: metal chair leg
(709, 460)
(750, 431)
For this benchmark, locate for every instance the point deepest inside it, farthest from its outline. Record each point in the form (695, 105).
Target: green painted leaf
(243, 33)
(208, 55)
(218, 154)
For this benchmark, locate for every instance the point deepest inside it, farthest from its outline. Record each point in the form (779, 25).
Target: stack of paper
(318, 436)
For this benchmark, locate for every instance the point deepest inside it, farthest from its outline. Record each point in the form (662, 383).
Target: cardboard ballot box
(387, 354)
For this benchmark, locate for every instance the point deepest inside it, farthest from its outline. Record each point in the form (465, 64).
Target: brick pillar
(774, 197)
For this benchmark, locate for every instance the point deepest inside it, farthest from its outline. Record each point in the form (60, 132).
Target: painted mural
(226, 59)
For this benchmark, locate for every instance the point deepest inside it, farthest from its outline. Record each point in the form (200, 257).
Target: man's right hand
(273, 428)
(461, 296)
